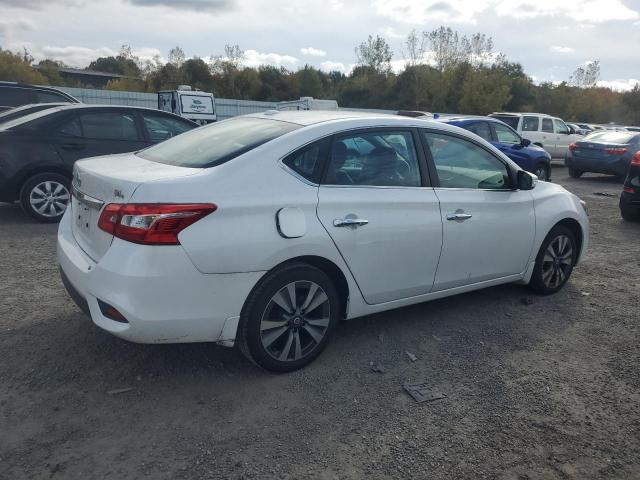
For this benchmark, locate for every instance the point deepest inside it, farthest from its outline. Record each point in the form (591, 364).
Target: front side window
(481, 129)
(530, 123)
(14, 97)
(506, 135)
(161, 127)
(49, 97)
(217, 143)
(385, 158)
(547, 125)
(560, 126)
(109, 126)
(308, 161)
(463, 164)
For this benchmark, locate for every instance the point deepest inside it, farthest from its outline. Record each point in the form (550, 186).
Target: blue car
(529, 157)
(603, 152)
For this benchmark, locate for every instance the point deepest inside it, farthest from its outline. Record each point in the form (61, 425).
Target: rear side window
(70, 128)
(49, 97)
(162, 127)
(109, 126)
(547, 125)
(481, 129)
(14, 97)
(530, 124)
(217, 143)
(308, 161)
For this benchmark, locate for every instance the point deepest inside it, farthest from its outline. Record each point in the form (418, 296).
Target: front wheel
(289, 318)
(555, 261)
(45, 196)
(575, 173)
(543, 172)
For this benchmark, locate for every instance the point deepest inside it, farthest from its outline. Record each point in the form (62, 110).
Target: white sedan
(266, 230)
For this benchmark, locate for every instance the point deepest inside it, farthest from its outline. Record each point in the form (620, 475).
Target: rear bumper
(629, 200)
(157, 289)
(617, 166)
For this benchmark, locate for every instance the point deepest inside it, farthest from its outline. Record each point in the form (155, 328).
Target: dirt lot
(537, 387)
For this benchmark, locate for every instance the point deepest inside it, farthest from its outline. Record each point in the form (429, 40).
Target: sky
(550, 38)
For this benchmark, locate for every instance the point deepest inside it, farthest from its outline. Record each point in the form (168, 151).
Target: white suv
(551, 133)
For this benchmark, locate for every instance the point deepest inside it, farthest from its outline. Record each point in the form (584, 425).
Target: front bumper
(164, 298)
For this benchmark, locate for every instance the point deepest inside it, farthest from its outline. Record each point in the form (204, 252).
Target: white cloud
(329, 66)
(466, 11)
(253, 58)
(622, 85)
(559, 49)
(390, 32)
(313, 52)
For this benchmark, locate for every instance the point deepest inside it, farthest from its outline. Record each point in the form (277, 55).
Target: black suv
(14, 94)
(37, 151)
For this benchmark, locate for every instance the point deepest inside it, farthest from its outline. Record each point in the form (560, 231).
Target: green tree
(309, 82)
(375, 53)
(17, 68)
(51, 70)
(484, 91)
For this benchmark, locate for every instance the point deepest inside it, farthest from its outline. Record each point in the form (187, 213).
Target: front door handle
(459, 216)
(73, 146)
(350, 222)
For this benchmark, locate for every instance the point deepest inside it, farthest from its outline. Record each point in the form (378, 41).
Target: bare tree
(176, 56)
(375, 53)
(586, 75)
(450, 49)
(416, 48)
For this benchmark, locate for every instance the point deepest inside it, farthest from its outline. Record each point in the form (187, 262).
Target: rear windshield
(508, 119)
(217, 143)
(612, 137)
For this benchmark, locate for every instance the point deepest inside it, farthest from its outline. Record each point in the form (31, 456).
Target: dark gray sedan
(37, 151)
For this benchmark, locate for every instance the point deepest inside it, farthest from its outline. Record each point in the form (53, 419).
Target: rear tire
(575, 173)
(555, 261)
(45, 196)
(630, 214)
(289, 318)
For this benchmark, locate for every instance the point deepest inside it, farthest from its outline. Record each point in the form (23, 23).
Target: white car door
(548, 136)
(530, 128)
(563, 137)
(382, 218)
(488, 228)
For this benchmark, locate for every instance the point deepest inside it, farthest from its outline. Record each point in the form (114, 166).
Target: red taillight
(636, 159)
(151, 223)
(629, 190)
(615, 151)
(573, 147)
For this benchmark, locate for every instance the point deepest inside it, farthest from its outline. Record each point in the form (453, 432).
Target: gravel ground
(536, 387)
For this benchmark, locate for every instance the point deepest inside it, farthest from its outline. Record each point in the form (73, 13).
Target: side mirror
(526, 180)
(571, 131)
(525, 142)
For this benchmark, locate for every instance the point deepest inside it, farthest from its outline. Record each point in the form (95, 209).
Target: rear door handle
(458, 216)
(350, 222)
(72, 146)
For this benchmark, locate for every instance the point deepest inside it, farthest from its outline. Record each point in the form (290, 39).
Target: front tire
(543, 172)
(289, 318)
(555, 261)
(45, 196)
(575, 173)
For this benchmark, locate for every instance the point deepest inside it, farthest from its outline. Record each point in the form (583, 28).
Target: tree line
(444, 71)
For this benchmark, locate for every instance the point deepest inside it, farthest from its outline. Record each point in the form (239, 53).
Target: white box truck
(308, 103)
(192, 104)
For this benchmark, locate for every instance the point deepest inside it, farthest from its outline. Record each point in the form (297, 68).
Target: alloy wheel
(557, 261)
(295, 321)
(49, 198)
(541, 173)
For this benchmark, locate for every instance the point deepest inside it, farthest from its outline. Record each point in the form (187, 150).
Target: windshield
(217, 143)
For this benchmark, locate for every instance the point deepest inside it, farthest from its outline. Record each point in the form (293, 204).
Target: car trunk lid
(110, 179)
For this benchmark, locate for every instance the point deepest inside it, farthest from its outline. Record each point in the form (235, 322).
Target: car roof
(310, 117)
(521, 114)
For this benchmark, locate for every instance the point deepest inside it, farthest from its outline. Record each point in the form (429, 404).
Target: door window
(376, 158)
(530, 124)
(547, 125)
(308, 161)
(70, 128)
(463, 164)
(14, 97)
(109, 126)
(506, 135)
(49, 97)
(560, 126)
(161, 127)
(481, 129)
